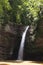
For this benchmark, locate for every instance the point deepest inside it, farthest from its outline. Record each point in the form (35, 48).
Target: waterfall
(20, 53)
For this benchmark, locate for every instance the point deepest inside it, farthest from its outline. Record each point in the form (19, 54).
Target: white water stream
(20, 53)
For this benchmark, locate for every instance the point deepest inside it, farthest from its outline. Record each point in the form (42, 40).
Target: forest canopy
(21, 11)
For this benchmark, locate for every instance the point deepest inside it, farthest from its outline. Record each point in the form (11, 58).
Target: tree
(24, 10)
(4, 8)
(20, 11)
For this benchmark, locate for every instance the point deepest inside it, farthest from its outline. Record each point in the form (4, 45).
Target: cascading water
(20, 53)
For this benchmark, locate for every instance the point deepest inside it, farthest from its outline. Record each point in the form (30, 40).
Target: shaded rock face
(37, 46)
(39, 39)
(7, 40)
(10, 38)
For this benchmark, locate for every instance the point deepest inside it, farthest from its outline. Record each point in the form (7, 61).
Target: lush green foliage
(4, 8)
(21, 11)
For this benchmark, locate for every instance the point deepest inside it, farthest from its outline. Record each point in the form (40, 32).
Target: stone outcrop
(10, 38)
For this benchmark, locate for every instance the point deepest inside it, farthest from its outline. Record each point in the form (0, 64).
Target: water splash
(20, 53)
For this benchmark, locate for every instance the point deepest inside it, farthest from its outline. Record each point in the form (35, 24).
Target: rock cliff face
(39, 39)
(7, 40)
(10, 38)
